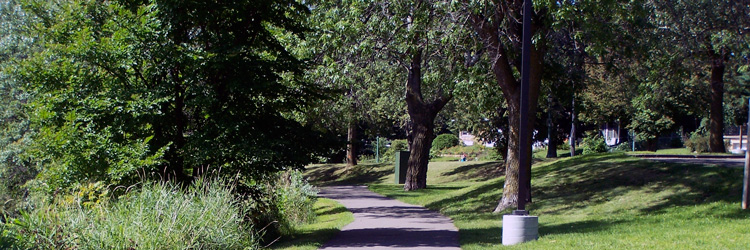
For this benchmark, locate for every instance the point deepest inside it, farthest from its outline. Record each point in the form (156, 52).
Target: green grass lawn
(603, 201)
(673, 151)
(330, 218)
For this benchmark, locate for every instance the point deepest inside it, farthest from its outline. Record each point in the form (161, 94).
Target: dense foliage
(444, 141)
(594, 144)
(15, 134)
(170, 88)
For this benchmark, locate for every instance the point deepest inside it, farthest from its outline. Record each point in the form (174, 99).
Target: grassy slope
(609, 201)
(674, 151)
(330, 218)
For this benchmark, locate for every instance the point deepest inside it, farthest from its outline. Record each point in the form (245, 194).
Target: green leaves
(167, 87)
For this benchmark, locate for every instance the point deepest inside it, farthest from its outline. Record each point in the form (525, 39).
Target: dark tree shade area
(172, 88)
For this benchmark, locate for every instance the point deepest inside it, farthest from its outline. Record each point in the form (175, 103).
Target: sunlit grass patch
(330, 218)
(600, 201)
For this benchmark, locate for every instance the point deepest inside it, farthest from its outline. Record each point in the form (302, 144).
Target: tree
(709, 33)
(346, 62)
(416, 43)
(170, 88)
(499, 27)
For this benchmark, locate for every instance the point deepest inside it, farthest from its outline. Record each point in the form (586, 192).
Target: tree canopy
(171, 88)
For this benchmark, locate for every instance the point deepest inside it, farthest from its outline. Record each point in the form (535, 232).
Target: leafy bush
(399, 145)
(396, 145)
(594, 144)
(563, 146)
(624, 146)
(296, 198)
(206, 215)
(698, 142)
(444, 141)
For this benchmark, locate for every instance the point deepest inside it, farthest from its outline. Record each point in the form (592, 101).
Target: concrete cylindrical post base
(519, 228)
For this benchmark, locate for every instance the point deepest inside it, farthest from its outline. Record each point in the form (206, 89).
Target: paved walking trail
(384, 223)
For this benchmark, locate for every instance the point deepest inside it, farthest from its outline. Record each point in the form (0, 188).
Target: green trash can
(402, 163)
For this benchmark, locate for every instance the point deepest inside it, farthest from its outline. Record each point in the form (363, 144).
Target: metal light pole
(746, 180)
(377, 149)
(524, 131)
(519, 227)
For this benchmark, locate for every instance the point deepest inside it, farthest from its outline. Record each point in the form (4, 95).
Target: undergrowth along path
(384, 223)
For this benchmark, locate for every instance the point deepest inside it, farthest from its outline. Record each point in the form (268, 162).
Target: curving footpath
(384, 223)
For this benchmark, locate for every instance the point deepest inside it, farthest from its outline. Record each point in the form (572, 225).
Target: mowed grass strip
(602, 201)
(331, 216)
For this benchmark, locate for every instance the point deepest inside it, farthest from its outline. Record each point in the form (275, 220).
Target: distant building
(737, 144)
(467, 139)
(611, 133)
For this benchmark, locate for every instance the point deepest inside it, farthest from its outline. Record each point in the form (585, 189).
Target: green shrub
(594, 144)
(624, 147)
(563, 146)
(295, 198)
(444, 141)
(396, 145)
(698, 142)
(205, 215)
(399, 145)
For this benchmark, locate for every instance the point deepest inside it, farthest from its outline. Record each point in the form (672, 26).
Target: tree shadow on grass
(313, 238)
(591, 180)
(337, 175)
(586, 226)
(478, 171)
(492, 236)
(328, 210)
(474, 202)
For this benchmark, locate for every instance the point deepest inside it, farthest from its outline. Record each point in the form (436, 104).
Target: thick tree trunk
(422, 116)
(419, 156)
(175, 169)
(716, 140)
(510, 188)
(512, 93)
(351, 146)
(490, 31)
(652, 144)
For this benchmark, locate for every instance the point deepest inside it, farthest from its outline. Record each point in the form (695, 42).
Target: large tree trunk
(716, 140)
(419, 156)
(490, 31)
(351, 146)
(422, 116)
(510, 188)
(175, 168)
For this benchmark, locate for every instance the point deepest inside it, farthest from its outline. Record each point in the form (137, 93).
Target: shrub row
(204, 215)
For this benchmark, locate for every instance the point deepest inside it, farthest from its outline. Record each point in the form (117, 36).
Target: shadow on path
(383, 223)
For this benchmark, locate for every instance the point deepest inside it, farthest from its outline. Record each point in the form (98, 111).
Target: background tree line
(646, 66)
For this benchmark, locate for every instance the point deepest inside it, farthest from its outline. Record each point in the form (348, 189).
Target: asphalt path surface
(384, 223)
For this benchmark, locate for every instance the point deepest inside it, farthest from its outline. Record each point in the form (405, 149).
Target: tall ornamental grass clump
(160, 215)
(296, 198)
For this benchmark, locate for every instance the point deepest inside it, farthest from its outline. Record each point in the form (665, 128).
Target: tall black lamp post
(524, 132)
(520, 227)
